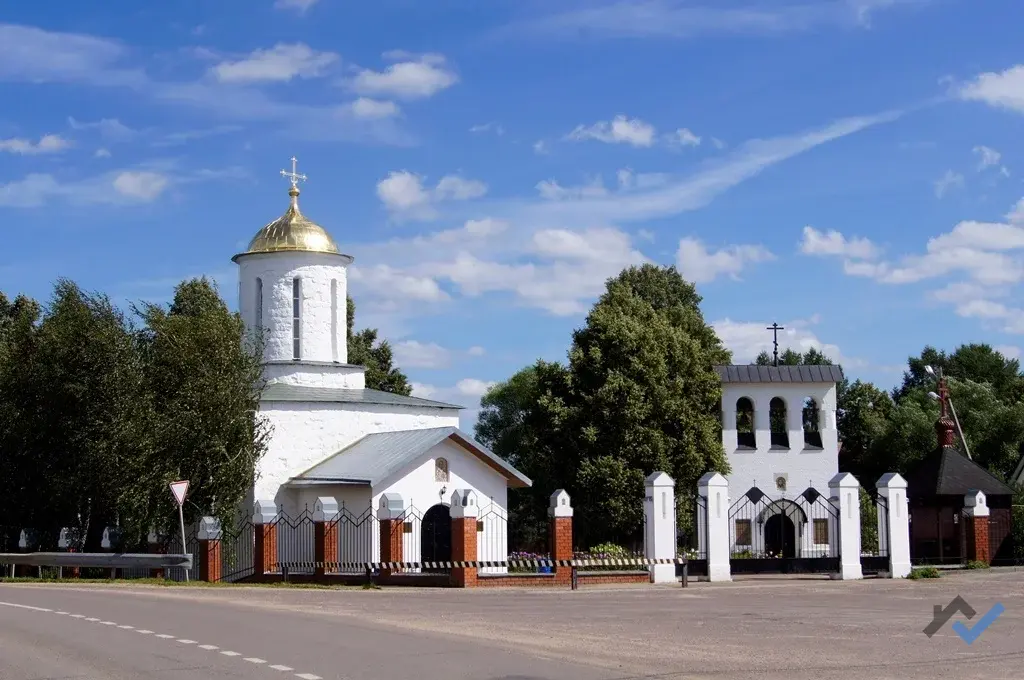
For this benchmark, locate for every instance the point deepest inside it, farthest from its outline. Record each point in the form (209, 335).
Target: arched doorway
(436, 537)
(780, 536)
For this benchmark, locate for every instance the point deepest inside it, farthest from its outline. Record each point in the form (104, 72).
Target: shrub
(976, 564)
(924, 572)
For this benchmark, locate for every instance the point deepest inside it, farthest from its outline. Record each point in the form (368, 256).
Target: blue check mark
(969, 635)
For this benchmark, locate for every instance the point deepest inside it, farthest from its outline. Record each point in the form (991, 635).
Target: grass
(976, 564)
(179, 584)
(923, 572)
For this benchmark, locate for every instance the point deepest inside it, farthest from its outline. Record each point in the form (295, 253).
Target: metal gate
(874, 537)
(786, 535)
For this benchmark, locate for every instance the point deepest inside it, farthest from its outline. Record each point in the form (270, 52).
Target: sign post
(179, 489)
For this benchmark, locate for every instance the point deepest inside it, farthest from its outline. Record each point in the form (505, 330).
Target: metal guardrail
(98, 560)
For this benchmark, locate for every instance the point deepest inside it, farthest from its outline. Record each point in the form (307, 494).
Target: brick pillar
(209, 550)
(391, 515)
(560, 512)
(464, 514)
(157, 546)
(264, 528)
(70, 542)
(325, 535)
(977, 516)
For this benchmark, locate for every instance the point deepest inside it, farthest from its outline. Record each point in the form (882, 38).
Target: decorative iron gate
(238, 551)
(693, 542)
(783, 535)
(874, 538)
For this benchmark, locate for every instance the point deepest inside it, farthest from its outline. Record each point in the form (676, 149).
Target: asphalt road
(762, 630)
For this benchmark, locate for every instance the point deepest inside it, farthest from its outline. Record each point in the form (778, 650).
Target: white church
(332, 437)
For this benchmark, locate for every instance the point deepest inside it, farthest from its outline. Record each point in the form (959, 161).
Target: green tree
(377, 357)
(977, 362)
(205, 384)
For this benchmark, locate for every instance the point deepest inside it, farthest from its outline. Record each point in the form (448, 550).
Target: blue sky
(848, 168)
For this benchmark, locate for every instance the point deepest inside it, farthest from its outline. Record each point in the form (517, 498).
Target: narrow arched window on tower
(334, 319)
(296, 318)
(259, 305)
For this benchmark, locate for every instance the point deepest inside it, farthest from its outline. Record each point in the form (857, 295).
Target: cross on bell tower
(294, 176)
(775, 328)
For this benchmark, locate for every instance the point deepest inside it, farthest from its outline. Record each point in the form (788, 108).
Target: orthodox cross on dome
(294, 176)
(775, 328)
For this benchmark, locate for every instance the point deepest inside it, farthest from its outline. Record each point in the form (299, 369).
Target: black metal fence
(874, 534)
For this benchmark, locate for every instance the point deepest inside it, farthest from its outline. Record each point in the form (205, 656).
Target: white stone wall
(323, 309)
(343, 376)
(305, 433)
(799, 467)
(419, 490)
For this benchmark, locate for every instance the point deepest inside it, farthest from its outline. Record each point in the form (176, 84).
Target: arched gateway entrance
(780, 536)
(436, 537)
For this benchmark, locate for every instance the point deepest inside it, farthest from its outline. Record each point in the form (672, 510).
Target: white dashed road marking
(164, 636)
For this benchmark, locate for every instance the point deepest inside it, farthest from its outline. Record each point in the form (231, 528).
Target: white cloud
(681, 21)
(301, 6)
(1001, 90)
(400, 285)
(404, 194)
(476, 351)
(466, 392)
(984, 259)
(987, 156)
(748, 339)
(364, 107)
(281, 63)
(459, 189)
(948, 181)
(696, 263)
(142, 185)
(496, 128)
(109, 128)
(553, 191)
(415, 354)
(102, 153)
(556, 255)
(26, 147)
(683, 137)
(417, 77)
(815, 242)
(540, 147)
(621, 130)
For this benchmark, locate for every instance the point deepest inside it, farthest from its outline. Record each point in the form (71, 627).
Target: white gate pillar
(894, 523)
(660, 525)
(715, 490)
(846, 498)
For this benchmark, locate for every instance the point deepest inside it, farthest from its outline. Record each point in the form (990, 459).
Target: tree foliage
(638, 394)
(98, 414)
(377, 357)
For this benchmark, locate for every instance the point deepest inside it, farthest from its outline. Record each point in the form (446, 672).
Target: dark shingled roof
(285, 392)
(947, 472)
(750, 373)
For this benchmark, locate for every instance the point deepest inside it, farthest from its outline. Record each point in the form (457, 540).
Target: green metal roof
(286, 392)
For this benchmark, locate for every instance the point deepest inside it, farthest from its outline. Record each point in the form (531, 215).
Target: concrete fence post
(896, 516)
(27, 543)
(264, 526)
(715, 490)
(325, 535)
(660, 525)
(464, 512)
(111, 542)
(845, 497)
(390, 515)
(70, 540)
(209, 536)
(977, 515)
(560, 512)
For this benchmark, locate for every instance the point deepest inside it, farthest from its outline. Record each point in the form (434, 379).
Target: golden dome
(292, 232)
